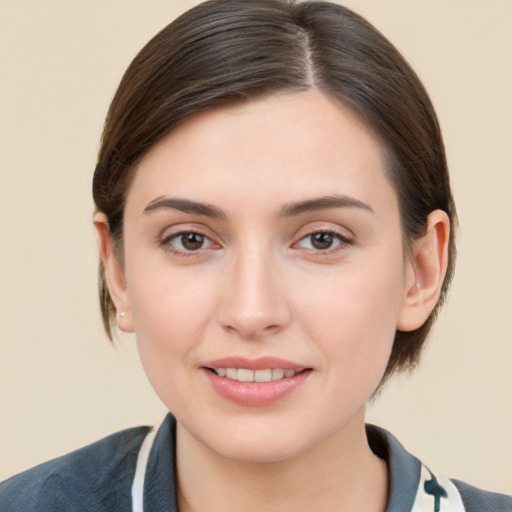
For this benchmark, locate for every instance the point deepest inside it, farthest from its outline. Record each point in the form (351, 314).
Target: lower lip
(255, 394)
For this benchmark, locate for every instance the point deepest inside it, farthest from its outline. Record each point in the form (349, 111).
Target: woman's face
(263, 240)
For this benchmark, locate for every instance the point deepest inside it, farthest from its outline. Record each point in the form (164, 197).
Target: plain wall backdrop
(62, 385)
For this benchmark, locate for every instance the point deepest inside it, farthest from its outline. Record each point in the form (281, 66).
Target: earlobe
(425, 273)
(114, 273)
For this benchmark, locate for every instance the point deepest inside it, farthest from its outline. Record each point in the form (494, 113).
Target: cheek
(171, 313)
(353, 317)
(169, 302)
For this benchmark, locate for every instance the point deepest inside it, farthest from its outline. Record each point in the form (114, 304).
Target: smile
(255, 382)
(246, 375)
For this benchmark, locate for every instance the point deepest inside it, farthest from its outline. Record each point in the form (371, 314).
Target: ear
(425, 272)
(114, 273)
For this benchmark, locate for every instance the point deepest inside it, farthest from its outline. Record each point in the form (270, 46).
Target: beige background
(62, 385)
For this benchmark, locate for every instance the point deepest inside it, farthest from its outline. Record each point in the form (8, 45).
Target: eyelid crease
(182, 232)
(325, 226)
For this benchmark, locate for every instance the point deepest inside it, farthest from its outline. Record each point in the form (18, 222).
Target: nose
(254, 300)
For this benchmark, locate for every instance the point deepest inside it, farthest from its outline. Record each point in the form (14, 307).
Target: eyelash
(166, 242)
(343, 240)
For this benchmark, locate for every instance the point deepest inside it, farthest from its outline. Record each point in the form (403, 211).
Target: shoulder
(478, 500)
(439, 493)
(97, 477)
(414, 488)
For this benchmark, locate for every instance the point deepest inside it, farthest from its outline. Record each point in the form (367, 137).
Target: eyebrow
(323, 203)
(186, 206)
(288, 210)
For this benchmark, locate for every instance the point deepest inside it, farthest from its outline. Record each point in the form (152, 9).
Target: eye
(186, 242)
(323, 241)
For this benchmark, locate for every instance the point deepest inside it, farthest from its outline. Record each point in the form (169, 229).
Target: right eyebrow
(186, 206)
(324, 203)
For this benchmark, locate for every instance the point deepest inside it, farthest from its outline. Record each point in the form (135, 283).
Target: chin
(251, 441)
(260, 451)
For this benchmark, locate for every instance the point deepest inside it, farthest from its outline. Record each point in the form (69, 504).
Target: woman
(276, 226)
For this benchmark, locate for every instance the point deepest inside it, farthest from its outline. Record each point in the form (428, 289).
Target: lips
(248, 375)
(254, 382)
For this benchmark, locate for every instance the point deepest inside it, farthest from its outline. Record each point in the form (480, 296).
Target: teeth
(232, 373)
(262, 375)
(277, 373)
(245, 375)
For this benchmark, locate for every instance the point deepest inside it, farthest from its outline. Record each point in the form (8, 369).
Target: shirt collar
(160, 478)
(404, 468)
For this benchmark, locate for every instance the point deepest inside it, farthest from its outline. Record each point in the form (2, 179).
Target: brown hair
(235, 50)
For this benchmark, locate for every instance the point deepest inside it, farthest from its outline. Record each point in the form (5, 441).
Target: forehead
(291, 144)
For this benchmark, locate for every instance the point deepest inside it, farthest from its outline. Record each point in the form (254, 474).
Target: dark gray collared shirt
(133, 470)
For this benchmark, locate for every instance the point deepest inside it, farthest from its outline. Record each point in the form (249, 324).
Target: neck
(341, 473)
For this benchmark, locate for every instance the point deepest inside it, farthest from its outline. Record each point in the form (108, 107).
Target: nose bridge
(254, 303)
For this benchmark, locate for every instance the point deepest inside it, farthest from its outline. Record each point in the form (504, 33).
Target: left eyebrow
(186, 206)
(323, 203)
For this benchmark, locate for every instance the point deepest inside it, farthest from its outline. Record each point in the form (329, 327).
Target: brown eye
(322, 241)
(192, 241)
(186, 242)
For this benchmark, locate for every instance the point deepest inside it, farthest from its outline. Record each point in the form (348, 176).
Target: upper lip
(261, 363)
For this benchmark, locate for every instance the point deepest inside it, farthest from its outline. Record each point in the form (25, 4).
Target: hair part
(225, 51)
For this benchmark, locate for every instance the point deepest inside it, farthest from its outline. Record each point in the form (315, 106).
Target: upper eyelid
(329, 231)
(166, 240)
(340, 236)
(172, 231)
(320, 227)
(179, 232)
(343, 233)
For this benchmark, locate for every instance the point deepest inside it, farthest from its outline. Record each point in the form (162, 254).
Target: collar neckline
(160, 479)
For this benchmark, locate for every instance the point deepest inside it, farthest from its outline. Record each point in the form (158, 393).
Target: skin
(259, 286)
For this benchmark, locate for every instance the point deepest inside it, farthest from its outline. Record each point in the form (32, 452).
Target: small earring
(122, 313)
(418, 285)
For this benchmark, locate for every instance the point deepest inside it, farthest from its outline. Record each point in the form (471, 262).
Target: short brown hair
(235, 50)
